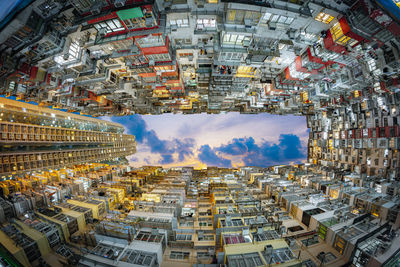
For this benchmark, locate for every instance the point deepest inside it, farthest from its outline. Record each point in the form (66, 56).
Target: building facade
(38, 138)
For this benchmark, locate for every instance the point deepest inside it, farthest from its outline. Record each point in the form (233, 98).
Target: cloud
(209, 156)
(166, 159)
(133, 159)
(136, 126)
(147, 160)
(175, 140)
(238, 146)
(184, 147)
(287, 150)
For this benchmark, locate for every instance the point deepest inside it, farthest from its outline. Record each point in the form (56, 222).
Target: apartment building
(43, 138)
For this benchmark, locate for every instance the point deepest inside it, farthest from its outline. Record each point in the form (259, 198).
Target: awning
(130, 13)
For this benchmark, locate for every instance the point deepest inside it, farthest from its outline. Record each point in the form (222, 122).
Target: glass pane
(266, 16)
(275, 18)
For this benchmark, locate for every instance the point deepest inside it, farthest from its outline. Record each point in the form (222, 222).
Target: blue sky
(224, 140)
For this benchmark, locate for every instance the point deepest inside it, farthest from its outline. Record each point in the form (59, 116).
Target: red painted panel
(332, 46)
(151, 74)
(347, 30)
(48, 78)
(155, 50)
(299, 66)
(25, 68)
(34, 71)
(106, 17)
(394, 28)
(288, 77)
(169, 74)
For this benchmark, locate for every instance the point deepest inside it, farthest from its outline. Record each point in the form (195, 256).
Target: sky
(223, 140)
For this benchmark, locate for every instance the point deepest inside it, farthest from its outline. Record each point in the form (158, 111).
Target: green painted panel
(130, 13)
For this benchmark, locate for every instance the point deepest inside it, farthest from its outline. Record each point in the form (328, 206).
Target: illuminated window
(237, 16)
(112, 25)
(185, 55)
(323, 17)
(340, 244)
(246, 71)
(163, 68)
(339, 37)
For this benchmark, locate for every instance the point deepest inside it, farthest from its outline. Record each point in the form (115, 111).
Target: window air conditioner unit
(102, 32)
(200, 3)
(96, 10)
(149, 21)
(272, 26)
(119, 3)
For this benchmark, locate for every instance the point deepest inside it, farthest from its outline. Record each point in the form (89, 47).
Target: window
(202, 255)
(206, 238)
(205, 223)
(237, 16)
(322, 229)
(179, 255)
(113, 77)
(159, 57)
(184, 237)
(372, 67)
(163, 68)
(112, 25)
(249, 259)
(246, 71)
(82, 4)
(231, 56)
(180, 23)
(339, 37)
(151, 41)
(185, 55)
(236, 39)
(205, 23)
(340, 244)
(73, 54)
(283, 20)
(323, 17)
(187, 41)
